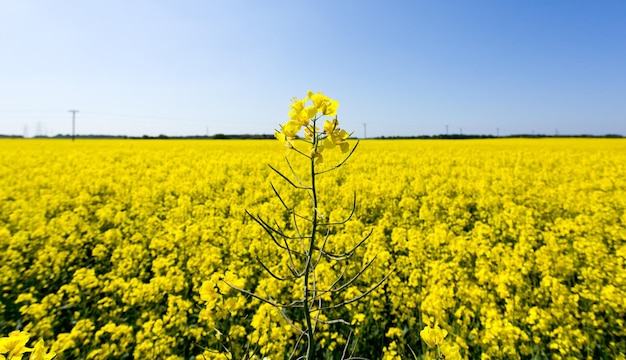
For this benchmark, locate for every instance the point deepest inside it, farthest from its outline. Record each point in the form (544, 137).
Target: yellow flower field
(114, 249)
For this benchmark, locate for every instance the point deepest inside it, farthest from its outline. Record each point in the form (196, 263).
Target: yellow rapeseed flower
(450, 351)
(433, 336)
(324, 104)
(39, 352)
(283, 139)
(14, 345)
(301, 114)
(335, 136)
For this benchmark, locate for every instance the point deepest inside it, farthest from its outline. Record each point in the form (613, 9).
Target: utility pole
(364, 131)
(446, 130)
(73, 123)
(497, 132)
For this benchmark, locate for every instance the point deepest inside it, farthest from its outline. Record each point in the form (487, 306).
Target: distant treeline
(268, 136)
(216, 136)
(469, 136)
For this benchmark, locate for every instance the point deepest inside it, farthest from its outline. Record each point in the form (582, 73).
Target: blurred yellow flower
(39, 352)
(208, 291)
(450, 351)
(433, 336)
(288, 132)
(14, 345)
(283, 139)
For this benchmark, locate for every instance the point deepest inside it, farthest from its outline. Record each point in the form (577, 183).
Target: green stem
(307, 313)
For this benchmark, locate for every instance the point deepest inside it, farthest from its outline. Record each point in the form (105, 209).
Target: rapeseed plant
(307, 246)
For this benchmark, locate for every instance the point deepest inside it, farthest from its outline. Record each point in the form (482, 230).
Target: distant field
(516, 246)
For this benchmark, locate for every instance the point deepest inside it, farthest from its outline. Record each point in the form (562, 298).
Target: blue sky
(401, 67)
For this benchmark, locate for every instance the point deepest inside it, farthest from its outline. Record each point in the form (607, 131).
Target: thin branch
(356, 298)
(298, 151)
(300, 236)
(293, 172)
(330, 289)
(355, 277)
(349, 282)
(351, 352)
(345, 348)
(321, 249)
(271, 231)
(267, 301)
(289, 180)
(292, 265)
(297, 329)
(349, 216)
(268, 229)
(303, 217)
(313, 297)
(412, 352)
(335, 321)
(347, 254)
(272, 274)
(341, 163)
(295, 346)
(280, 198)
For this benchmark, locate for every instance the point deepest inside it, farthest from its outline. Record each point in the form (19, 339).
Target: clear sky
(401, 67)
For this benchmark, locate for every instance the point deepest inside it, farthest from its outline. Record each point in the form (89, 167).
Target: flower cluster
(304, 113)
(13, 347)
(434, 338)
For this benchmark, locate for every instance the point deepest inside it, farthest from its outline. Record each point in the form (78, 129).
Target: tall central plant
(307, 246)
